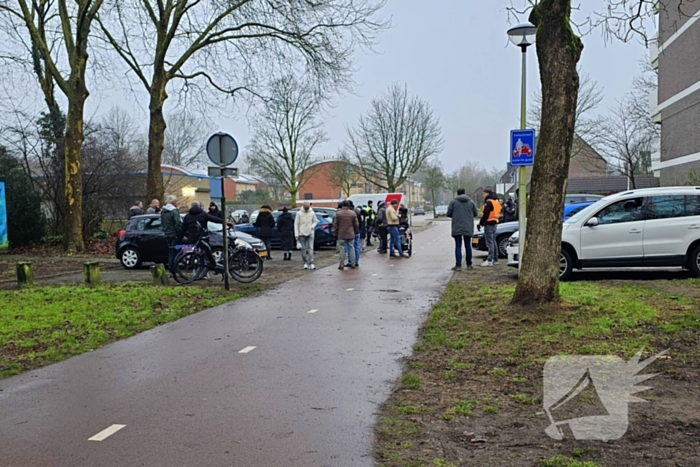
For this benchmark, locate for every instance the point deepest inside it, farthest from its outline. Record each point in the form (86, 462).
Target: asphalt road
(322, 353)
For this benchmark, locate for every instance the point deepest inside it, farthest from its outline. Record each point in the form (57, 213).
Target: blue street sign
(222, 149)
(522, 147)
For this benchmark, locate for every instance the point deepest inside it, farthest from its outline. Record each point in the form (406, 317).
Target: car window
(692, 205)
(666, 207)
(141, 225)
(576, 210)
(153, 224)
(628, 210)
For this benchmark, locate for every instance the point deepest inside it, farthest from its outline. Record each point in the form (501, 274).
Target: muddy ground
(474, 396)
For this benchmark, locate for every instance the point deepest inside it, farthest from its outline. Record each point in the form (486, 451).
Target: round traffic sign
(222, 149)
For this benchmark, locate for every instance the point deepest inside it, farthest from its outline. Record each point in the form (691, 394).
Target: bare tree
(434, 180)
(285, 134)
(558, 51)
(184, 144)
(233, 46)
(343, 174)
(588, 128)
(73, 20)
(394, 139)
(628, 136)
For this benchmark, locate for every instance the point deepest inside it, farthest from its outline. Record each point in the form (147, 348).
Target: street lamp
(522, 35)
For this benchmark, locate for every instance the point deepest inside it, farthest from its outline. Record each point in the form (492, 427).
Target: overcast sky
(455, 54)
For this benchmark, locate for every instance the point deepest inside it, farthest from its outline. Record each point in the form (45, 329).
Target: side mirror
(592, 222)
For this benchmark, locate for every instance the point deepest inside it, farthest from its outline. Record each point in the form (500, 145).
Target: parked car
(238, 214)
(653, 227)
(419, 211)
(323, 235)
(580, 198)
(441, 211)
(326, 213)
(506, 229)
(142, 240)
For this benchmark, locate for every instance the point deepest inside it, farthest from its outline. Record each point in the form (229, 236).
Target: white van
(654, 227)
(361, 199)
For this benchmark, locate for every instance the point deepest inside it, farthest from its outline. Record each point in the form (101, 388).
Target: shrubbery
(25, 220)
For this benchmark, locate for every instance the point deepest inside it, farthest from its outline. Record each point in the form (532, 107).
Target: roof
(607, 185)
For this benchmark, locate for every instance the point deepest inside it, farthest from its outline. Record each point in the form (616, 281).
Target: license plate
(262, 253)
(475, 241)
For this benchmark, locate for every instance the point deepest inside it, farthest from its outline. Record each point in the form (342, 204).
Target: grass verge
(42, 325)
(477, 368)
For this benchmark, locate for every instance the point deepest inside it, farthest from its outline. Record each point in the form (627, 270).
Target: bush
(26, 223)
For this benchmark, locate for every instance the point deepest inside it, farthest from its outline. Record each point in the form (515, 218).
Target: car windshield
(585, 212)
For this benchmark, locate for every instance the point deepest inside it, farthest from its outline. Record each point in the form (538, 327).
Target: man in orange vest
(489, 220)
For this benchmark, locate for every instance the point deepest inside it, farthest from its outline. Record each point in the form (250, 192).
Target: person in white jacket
(304, 227)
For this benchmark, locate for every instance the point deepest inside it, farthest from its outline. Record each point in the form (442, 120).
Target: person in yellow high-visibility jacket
(489, 221)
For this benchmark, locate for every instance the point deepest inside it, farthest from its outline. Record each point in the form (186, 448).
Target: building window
(308, 196)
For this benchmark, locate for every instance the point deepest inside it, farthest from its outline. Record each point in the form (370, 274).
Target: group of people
(137, 208)
(292, 230)
(351, 223)
(463, 212)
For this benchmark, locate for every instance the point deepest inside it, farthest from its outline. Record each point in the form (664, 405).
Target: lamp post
(522, 35)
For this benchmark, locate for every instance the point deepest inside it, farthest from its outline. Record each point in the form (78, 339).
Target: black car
(503, 233)
(142, 240)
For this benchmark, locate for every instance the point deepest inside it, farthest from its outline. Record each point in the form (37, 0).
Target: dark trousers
(382, 238)
(370, 230)
(467, 248)
(268, 245)
(171, 253)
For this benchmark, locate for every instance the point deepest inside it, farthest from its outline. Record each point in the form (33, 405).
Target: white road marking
(350, 290)
(312, 311)
(247, 349)
(107, 432)
(374, 274)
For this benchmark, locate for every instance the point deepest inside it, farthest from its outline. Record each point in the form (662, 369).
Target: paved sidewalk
(289, 378)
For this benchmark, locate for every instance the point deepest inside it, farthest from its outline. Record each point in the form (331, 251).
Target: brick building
(676, 103)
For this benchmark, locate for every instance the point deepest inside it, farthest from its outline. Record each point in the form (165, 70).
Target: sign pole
(227, 285)
(522, 170)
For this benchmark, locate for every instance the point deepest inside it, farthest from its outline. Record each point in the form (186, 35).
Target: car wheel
(566, 265)
(694, 261)
(130, 258)
(502, 243)
(218, 253)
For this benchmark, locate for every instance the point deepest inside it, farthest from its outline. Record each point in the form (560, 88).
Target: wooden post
(160, 277)
(92, 272)
(25, 273)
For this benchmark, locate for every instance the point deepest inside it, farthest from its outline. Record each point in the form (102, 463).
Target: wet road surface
(290, 378)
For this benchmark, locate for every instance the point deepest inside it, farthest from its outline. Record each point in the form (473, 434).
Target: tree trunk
(558, 52)
(73, 177)
(156, 138)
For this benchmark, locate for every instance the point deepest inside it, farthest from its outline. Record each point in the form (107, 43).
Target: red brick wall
(319, 185)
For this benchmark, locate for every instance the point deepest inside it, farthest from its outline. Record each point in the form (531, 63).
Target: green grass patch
(563, 461)
(523, 399)
(411, 381)
(42, 325)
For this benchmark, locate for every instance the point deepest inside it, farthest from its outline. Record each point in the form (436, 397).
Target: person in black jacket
(195, 220)
(265, 224)
(285, 226)
(215, 211)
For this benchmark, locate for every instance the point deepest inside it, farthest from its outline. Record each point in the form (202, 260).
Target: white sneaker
(312, 267)
(405, 255)
(486, 264)
(306, 266)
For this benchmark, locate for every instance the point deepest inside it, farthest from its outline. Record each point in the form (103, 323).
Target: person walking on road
(489, 220)
(463, 212)
(136, 209)
(285, 227)
(265, 224)
(154, 208)
(392, 218)
(345, 227)
(171, 222)
(304, 229)
(370, 218)
(382, 228)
